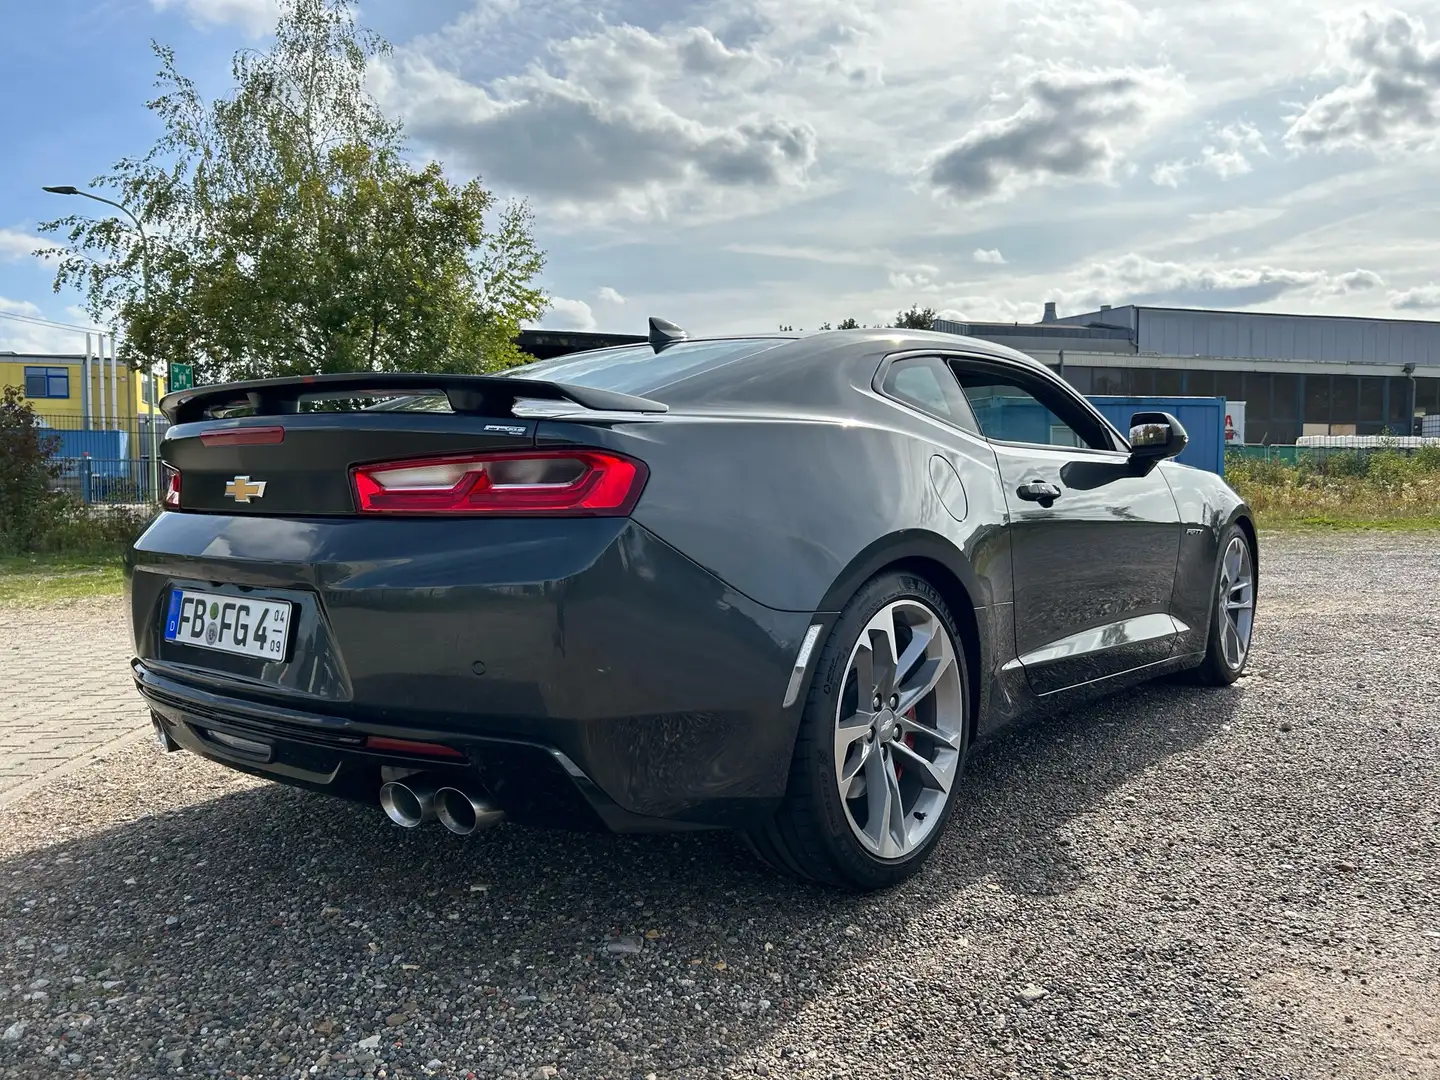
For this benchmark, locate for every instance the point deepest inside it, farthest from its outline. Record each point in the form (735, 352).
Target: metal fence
(107, 481)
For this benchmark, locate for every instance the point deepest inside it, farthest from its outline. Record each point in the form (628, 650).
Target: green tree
(848, 324)
(289, 235)
(27, 465)
(916, 319)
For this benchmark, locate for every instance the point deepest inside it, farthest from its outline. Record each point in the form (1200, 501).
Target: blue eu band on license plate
(242, 625)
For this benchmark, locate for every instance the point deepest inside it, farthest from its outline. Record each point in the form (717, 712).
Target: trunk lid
(287, 446)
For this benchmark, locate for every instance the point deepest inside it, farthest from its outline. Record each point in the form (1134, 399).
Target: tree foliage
(27, 465)
(289, 235)
(916, 319)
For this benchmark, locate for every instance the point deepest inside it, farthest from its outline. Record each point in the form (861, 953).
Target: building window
(1317, 400)
(1141, 381)
(1400, 420)
(1344, 399)
(1108, 380)
(1427, 396)
(47, 382)
(1286, 400)
(1168, 383)
(1081, 378)
(1231, 386)
(1257, 395)
(1372, 401)
(1200, 383)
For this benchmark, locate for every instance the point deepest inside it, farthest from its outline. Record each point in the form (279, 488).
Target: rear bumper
(614, 685)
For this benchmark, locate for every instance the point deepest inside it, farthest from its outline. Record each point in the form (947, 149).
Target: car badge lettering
(242, 489)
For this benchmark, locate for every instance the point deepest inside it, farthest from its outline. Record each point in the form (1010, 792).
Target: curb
(35, 783)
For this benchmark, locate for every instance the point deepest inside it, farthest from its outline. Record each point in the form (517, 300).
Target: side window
(1012, 409)
(928, 384)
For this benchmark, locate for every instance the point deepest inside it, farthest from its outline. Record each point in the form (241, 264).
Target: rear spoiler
(469, 395)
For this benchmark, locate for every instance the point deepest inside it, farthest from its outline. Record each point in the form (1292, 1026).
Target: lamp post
(67, 189)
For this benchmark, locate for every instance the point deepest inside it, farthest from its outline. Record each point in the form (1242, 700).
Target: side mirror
(1155, 436)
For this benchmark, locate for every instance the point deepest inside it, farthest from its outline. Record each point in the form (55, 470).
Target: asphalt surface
(1172, 883)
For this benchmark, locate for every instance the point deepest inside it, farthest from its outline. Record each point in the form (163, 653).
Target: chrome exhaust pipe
(408, 803)
(463, 813)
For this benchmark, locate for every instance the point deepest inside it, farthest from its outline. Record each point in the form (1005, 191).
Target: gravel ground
(1172, 883)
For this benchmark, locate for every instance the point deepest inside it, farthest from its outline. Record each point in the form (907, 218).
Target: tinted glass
(1007, 412)
(1372, 399)
(1200, 383)
(1427, 396)
(1317, 399)
(1285, 402)
(1140, 381)
(639, 369)
(927, 383)
(1231, 386)
(1399, 418)
(1081, 378)
(1257, 395)
(1345, 399)
(1168, 383)
(1108, 380)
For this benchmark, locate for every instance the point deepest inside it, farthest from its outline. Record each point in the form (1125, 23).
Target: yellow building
(113, 398)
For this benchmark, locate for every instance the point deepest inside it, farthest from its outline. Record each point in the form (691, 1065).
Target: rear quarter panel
(782, 508)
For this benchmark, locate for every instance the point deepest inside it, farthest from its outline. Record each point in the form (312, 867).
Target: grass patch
(1384, 489)
(44, 579)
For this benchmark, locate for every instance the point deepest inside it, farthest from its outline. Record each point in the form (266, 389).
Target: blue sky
(735, 164)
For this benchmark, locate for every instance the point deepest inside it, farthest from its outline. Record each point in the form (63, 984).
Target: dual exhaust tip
(416, 801)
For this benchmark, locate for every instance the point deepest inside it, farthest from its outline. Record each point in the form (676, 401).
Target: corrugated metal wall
(1287, 337)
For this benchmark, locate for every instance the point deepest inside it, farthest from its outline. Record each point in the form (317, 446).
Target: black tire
(810, 838)
(1215, 669)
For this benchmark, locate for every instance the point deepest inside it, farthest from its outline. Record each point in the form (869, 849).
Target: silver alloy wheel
(899, 728)
(1237, 603)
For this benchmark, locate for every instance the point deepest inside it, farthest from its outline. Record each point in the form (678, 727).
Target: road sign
(181, 377)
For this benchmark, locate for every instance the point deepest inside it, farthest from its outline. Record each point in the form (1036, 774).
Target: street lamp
(69, 189)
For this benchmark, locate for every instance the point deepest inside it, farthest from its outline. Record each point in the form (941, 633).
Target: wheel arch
(941, 563)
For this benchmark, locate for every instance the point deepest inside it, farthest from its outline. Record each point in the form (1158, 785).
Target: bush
(1366, 487)
(27, 466)
(74, 528)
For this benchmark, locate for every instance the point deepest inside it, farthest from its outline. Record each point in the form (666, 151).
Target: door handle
(1038, 491)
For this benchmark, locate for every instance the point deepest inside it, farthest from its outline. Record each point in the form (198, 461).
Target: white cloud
(1071, 125)
(1227, 155)
(1135, 278)
(988, 255)
(15, 244)
(1390, 96)
(28, 337)
(606, 130)
(606, 295)
(1421, 298)
(254, 17)
(566, 314)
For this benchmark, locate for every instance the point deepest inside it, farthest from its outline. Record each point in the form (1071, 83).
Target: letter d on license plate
(233, 624)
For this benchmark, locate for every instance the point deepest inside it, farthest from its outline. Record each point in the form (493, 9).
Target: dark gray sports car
(777, 584)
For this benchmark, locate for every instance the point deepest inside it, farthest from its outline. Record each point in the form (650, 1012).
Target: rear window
(639, 369)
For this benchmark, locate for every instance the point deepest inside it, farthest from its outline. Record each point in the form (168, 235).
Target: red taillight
(409, 746)
(255, 436)
(561, 483)
(172, 488)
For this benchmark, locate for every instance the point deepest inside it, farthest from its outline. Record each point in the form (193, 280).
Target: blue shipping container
(1203, 418)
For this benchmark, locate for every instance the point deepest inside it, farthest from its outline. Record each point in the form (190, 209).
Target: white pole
(100, 382)
(115, 412)
(85, 398)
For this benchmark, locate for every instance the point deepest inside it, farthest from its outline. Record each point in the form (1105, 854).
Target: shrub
(27, 466)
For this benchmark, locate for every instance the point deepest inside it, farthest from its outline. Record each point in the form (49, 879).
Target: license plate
(232, 624)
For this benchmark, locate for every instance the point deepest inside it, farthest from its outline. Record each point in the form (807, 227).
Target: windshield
(639, 369)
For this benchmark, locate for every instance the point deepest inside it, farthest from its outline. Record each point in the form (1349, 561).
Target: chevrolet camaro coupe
(777, 584)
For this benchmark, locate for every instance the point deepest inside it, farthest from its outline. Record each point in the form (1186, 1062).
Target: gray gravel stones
(1194, 893)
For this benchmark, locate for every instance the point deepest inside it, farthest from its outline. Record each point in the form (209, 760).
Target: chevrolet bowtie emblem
(242, 489)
